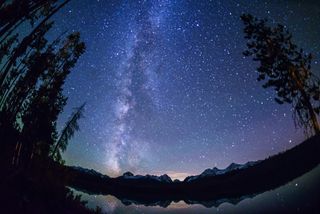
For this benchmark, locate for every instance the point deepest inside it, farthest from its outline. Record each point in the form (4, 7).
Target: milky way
(137, 83)
(168, 89)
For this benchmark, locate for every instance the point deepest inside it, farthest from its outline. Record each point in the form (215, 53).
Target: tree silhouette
(67, 133)
(285, 68)
(45, 9)
(33, 70)
(32, 74)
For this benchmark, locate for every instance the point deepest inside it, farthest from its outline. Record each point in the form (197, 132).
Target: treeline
(33, 71)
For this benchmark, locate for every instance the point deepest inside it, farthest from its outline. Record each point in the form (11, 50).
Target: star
(168, 89)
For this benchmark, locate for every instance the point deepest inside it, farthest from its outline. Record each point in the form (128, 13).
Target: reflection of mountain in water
(166, 203)
(210, 188)
(300, 194)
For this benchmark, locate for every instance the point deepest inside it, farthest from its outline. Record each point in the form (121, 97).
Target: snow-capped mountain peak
(215, 171)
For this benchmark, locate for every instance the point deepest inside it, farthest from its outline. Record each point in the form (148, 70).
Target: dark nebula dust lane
(137, 93)
(168, 89)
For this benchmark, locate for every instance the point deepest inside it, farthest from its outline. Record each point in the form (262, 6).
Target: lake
(298, 196)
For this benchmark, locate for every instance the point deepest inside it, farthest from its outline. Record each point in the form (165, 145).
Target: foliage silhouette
(31, 80)
(285, 68)
(67, 133)
(33, 70)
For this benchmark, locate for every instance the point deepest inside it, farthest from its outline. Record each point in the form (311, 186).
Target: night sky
(168, 89)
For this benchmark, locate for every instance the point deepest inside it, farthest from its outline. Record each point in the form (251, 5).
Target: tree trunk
(306, 100)
(312, 113)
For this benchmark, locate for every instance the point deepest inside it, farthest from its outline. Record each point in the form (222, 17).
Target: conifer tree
(286, 68)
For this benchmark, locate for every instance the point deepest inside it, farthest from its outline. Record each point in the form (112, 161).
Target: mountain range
(165, 178)
(236, 181)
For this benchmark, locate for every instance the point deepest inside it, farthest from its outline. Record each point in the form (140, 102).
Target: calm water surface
(301, 195)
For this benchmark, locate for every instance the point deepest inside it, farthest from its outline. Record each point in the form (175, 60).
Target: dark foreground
(300, 195)
(235, 185)
(42, 189)
(39, 192)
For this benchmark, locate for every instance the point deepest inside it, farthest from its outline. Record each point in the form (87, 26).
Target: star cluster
(168, 89)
